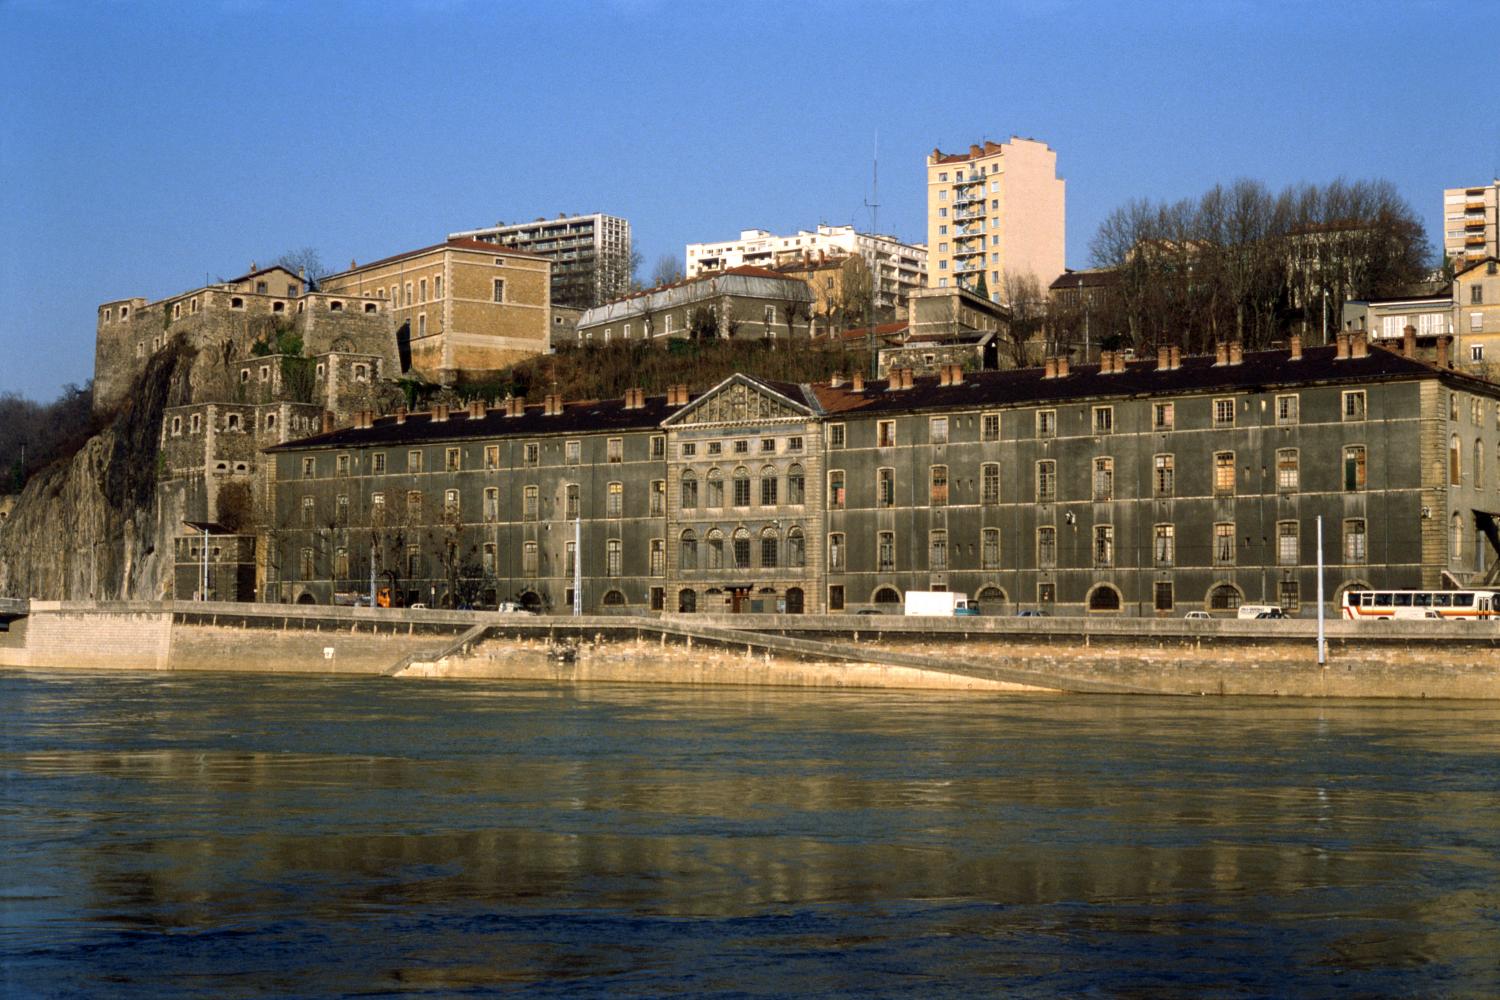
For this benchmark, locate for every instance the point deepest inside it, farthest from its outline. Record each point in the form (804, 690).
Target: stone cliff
(94, 526)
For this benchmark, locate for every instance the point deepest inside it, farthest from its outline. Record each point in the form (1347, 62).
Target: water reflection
(329, 836)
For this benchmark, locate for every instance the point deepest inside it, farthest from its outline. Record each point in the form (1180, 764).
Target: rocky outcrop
(94, 526)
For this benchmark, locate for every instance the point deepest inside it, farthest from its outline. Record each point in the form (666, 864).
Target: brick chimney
(857, 383)
(1341, 349)
(1294, 345)
(1236, 352)
(1444, 348)
(476, 409)
(836, 380)
(400, 415)
(957, 375)
(327, 421)
(906, 375)
(1409, 341)
(1163, 358)
(1049, 367)
(439, 412)
(1221, 353)
(552, 405)
(1176, 356)
(1359, 344)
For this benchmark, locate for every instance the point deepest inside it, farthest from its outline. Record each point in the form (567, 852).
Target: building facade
(460, 306)
(1476, 314)
(743, 303)
(899, 268)
(997, 210)
(1137, 488)
(1471, 222)
(590, 254)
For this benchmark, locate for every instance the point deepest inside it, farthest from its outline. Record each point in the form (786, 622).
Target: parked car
(1198, 616)
(868, 611)
(1273, 613)
(1031, 614)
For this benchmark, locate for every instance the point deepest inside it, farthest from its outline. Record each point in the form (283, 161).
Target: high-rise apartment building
(590, 254)
(996, 210)
(1470, 221)
(900, 266)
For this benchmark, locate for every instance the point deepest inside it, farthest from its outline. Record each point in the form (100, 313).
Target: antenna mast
(874, 206)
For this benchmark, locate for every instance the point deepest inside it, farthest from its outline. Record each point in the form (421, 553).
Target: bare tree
(856, 285)
(307, 262)
(666, 271)
(1028, 314)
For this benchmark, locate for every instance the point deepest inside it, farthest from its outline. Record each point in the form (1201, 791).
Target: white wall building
(590, 254)
(902, 267)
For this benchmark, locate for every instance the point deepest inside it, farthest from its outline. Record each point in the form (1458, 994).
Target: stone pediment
(739, 400)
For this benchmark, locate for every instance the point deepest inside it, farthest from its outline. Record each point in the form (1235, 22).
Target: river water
(236, 836)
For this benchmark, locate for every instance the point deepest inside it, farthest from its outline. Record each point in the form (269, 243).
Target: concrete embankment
(1228, 657)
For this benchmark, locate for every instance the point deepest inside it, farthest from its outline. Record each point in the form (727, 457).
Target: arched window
(1458, 538)
(715, 488)
(716, 549)
(742, 487)
(614, 599)
(741, 548)
(689, 490)
(1104, 598)
(687, 601)
(1224, 597)
(796, 548)
(796, 485)
(1478, 464)
(991, 596)
(687, 556)
(794, 600)
(1455, 468)
(769, 487)
(770, 548)
(887, 595)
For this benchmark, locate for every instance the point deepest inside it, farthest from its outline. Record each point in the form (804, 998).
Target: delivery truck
(938, 603)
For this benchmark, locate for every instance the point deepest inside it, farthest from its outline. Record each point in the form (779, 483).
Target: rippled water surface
(234, 836)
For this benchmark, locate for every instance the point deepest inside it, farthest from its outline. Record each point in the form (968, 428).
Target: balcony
(969, 213)
(1474, 240)
(1474, 222)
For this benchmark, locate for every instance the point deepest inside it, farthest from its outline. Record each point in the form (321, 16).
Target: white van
(1256, 610)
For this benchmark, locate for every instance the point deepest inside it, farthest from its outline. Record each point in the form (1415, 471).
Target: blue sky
(146, 146)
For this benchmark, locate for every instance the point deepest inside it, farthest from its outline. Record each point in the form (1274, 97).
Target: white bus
(1374, 605)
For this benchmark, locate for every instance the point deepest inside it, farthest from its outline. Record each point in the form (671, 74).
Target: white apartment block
(902, 267)
(1471, 222)
(590, 254)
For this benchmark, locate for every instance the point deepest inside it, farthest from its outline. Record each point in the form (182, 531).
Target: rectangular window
(937, 546)
(1354, 468)
(377, 463)
(492, 456)
(939, 486)
(613, 557)
(1163, 416)
(1288, 474)
(989, 427)
(341, 465)
(742, 447)
(1289, 596)
(658, 447)
(989, 549)
(835, 435)
(1287, 409)
(1223, 413)
(1046, 547)
(571, 493)
(658, 497)
(794, 444)
(1046, 423)
(531, 453)
(1104, 419)
(452, 459)
(885, 487)
(1354, 541)
(769, 487)
(1224, 473)
(1104, 479)
(885, 551)
(836, 552)
(1046, 481)
(885, 433)
(836, 597)
(741, 488)
(529, 561)
(836, 496)
(413, 506)
(1164, 549)
(341, 510)
(614, 505)
(308, 466)
(1165, 475)
(492, 503)
(768, 446)
(615, 450)
(1162, 597)
(1046, 594)
(937, 430)
(499, 290)
(1354, 405)
(308, 514)
(414, 460)
(1288, 543)
(658, 566)
(989, 483)
(1224, 544)
(688, 449)
(489, 559)
(1476, 295)
(531, 503)
(1104, 545)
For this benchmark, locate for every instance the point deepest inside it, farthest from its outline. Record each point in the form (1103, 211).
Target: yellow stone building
(461, 306)
(1476, 320)
(998, 209)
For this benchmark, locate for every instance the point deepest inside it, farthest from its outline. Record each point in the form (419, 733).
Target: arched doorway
(531, 601)
(1225, 597)
(990, 600)
(307, 598)
(887, 595)
(687, 601)
(1104, 599)
(794, 600)
(614, 599)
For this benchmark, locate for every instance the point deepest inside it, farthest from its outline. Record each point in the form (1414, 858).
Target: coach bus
(1374, 605)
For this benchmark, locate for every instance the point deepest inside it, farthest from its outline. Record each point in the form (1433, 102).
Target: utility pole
(874, 206)
(577, 565)
(1322, 643)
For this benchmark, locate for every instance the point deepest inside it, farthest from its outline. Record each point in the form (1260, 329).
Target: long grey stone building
(1129, 487)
